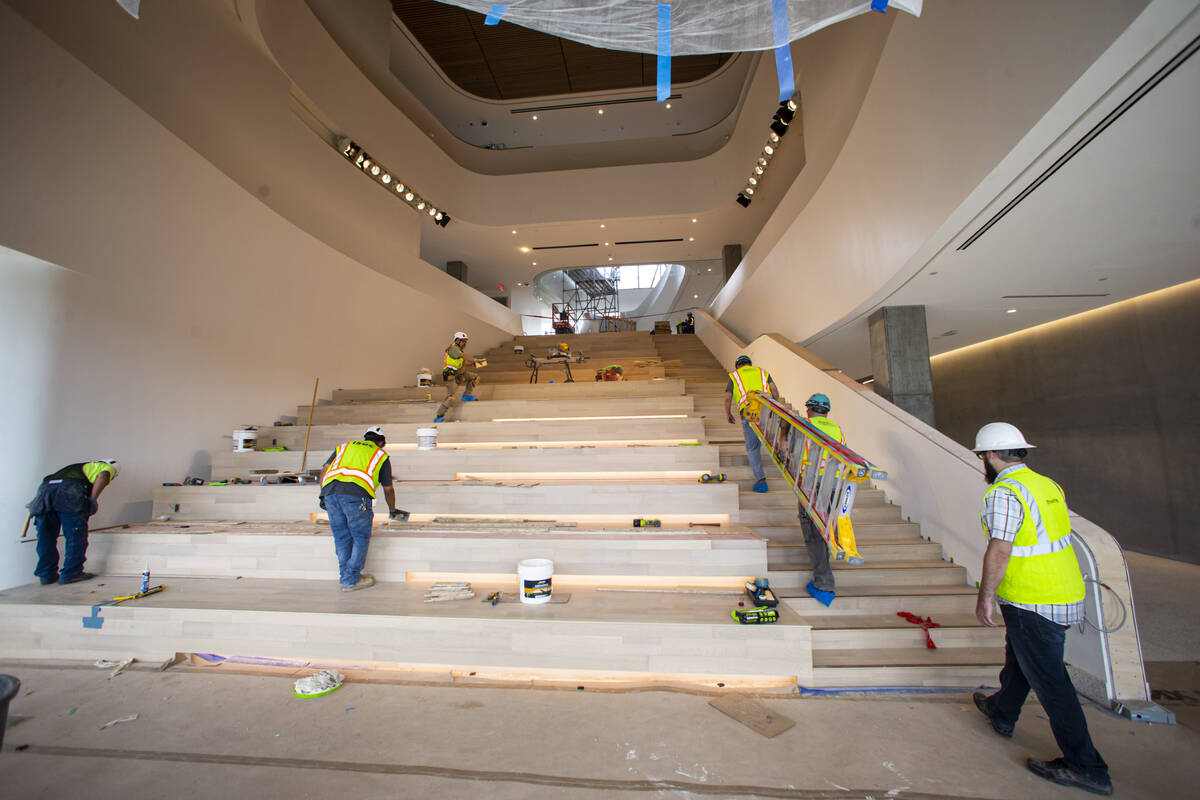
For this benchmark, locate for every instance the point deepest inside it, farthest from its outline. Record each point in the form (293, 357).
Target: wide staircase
(555, 470)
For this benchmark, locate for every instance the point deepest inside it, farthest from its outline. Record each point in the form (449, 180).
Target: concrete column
(457, 269)
(732, 255)
(900, 359)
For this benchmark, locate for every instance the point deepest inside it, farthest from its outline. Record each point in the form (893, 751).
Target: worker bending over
(821, 586)
(348, 482)
(64, 501)
(744, 379)
(455, 374)
(1030, 567)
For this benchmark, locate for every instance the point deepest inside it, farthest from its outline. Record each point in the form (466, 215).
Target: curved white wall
(151, 304)
(953, 92)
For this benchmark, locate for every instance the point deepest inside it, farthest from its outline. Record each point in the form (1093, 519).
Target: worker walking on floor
(64, 501)
(821, 586)
(455, 374)
(744, 379)
(348, 482)
(1030, 567)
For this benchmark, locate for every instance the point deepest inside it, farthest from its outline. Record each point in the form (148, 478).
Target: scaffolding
(590, 294)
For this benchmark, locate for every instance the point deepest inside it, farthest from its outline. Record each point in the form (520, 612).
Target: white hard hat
(1000, 436)
(461, 335)
(378, 431)
(116, 465)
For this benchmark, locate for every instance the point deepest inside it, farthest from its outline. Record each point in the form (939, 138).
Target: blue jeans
(75, 531)
(1033, 659)
(753, 450)
(350, 519)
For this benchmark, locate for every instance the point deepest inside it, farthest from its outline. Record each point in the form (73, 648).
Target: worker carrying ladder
(824, 473)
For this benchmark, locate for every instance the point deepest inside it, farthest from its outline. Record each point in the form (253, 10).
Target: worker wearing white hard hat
(1030, 569)
(455, 376)
(64, 502)
(348, 481)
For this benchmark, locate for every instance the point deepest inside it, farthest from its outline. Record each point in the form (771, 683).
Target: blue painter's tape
(493, 17)
(664, 52)
(95, 620)
(879, 5)
(783, 50)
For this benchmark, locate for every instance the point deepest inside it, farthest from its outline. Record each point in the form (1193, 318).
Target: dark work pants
(818, 553)
(63, 506)
(1033, 659)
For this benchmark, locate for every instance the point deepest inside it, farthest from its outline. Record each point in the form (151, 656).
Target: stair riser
(923, 605)
(912, 576)
(781, 558)
(784, 515)
(851, 639)
(874, 532)
(947, 677)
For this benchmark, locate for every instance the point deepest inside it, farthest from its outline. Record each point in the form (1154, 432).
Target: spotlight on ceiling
(779, 127)
(743, 201)
(445, 219)
(787, 112)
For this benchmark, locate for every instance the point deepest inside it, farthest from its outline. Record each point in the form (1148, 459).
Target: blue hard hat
(818, 401)
(743, 359)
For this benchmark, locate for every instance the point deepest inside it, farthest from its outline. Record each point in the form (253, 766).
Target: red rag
(925, 624)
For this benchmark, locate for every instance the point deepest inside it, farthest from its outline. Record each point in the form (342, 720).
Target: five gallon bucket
(245, 440)
(534, 576)
(426, 438)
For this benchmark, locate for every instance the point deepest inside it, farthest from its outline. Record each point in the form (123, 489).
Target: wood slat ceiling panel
(508, 62)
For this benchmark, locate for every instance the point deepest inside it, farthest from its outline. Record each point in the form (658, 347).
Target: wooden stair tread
(909, 657)
(889, 621)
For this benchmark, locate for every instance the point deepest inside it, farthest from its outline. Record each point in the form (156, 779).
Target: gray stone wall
(1112, 399)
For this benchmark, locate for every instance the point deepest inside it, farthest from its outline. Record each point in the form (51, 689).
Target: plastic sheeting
(697, 26)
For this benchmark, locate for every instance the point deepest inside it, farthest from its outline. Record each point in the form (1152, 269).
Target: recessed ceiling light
(610, 258)
(693, 219)
(1011, 311)
(599, 110)
(710, 269)
(692, 239)
(514, 233)
(601, 224)
(606, 244)
(535, 263)
(535, 116)
(695, 297)
(524, 249)
(668, 105)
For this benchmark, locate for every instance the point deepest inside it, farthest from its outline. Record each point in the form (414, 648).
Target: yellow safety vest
(830, 429)
(745, 380)
(1042, 568)
(357, 462)
(92, 470)
(452, 363)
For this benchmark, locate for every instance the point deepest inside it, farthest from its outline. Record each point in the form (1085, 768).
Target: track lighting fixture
(381, 175)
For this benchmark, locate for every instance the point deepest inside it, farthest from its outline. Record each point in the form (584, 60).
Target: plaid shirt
(1002, 517)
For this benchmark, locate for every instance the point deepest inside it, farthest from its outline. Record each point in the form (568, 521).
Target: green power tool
(755, 616)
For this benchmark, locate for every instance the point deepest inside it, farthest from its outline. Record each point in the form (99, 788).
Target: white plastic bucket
(426, 438)
(424, 378)
(245, 440)
(534, 576)
(518, 349)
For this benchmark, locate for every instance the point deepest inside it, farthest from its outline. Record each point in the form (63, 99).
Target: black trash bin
(8, 690)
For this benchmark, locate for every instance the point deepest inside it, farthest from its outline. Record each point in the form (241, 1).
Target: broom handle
(312, 406)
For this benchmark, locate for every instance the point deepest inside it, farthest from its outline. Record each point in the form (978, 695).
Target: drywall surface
(952, 94)
(151, 304)
(1111, 398)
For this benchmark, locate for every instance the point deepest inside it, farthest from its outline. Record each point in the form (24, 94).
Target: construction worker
(744, 379)
(348, 481)
(64, 501)
(1030, 567)
(455, 374)
(821, 586)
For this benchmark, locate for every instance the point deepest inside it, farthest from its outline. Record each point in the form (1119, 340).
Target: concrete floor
(207, 735)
